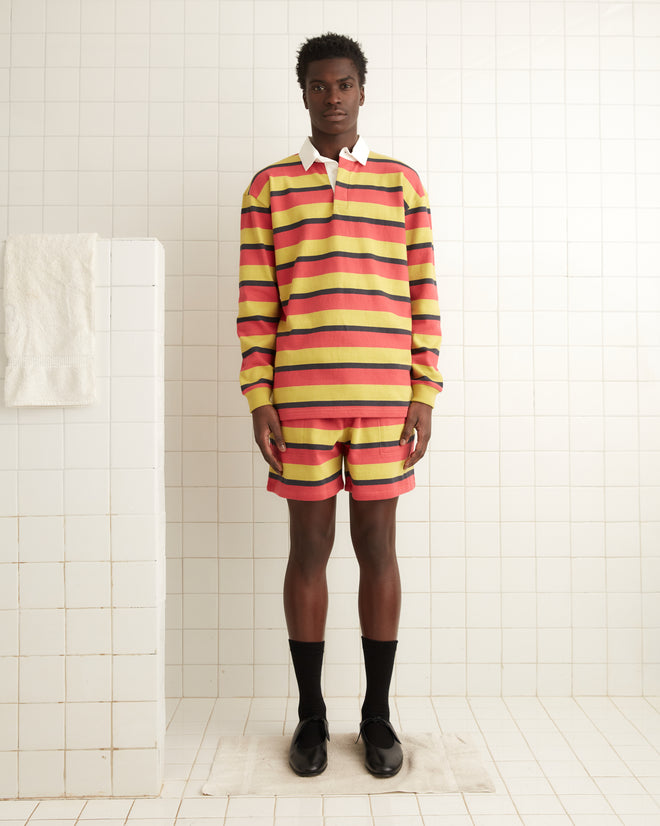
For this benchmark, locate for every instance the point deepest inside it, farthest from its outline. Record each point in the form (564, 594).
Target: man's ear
(361, 95)
(304, 97)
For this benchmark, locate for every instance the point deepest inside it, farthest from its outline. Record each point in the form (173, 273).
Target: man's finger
(267, 431)
(407, 432)
(276, 435)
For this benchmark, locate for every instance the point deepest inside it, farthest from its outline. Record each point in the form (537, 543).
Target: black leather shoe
(381, 762)
(307, 761)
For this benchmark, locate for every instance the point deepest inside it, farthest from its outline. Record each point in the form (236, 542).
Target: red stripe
(259, 293)
(297, 199)
(346, 229)
(342, 375)
(257, 258)
(359, 266)
(424, 255)
(344, 338)
(347, 301)
(303, 493)
(369, 196)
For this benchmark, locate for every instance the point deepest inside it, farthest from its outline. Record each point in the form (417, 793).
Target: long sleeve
(426, 332)
(259, 304)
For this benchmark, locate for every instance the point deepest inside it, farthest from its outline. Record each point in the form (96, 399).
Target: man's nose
(333, 95)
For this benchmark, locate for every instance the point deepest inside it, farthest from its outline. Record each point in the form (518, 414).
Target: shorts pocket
(391, 448)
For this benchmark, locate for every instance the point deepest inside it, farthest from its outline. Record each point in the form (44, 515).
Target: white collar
(309, 153)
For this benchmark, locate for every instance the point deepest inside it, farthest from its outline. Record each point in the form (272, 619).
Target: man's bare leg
(312, 534)
(373, 531)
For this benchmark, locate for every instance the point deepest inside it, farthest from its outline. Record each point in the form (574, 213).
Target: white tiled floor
(591, 761)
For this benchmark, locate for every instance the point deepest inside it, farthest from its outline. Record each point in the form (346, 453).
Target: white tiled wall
(82, 559)
(531, 549)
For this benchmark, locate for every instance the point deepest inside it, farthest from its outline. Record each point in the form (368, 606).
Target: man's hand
(266, 424)
(418, 419)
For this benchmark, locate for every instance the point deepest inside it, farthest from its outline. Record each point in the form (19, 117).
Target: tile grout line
(579, 759)
(488, 748)
(613, 746)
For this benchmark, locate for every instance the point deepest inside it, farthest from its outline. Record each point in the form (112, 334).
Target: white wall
(530, 551)
(82, 558)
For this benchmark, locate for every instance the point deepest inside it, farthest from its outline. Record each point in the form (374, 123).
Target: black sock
(307, 660)
(378, 663)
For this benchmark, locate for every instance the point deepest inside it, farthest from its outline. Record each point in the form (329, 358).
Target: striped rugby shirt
(338, 310)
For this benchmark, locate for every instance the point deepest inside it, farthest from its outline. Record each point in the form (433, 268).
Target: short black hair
(330, 45)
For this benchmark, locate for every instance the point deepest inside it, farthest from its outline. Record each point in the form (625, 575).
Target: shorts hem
(360, 493)
(371, 493)
(302, 493)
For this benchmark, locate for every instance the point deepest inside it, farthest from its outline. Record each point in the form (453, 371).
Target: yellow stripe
(311, 473)
(340, 243)
(425, 306)
(360, 318)
(267, 308)
(340, 280)
(345, 392)
(325, 355)
(302, 211)
(383, 470)
(257, 272)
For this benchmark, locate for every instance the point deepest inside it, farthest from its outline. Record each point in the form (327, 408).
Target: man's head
(328, 46)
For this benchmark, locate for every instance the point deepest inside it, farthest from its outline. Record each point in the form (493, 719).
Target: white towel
(49, 313)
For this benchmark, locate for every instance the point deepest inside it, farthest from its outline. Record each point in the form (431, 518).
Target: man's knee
(312, 534)
(373, 532)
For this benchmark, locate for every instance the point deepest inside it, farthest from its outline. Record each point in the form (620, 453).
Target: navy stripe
(425, 246)
(305, 483)
(343, 366)
(371, 445)
(384, 403)
(243, 319)
(304, 222)
(347, 218)
(295, 189)
(393, 161)
(343, 254)
(266, 382)
(262, 210)
(371, 187)
(365, 446)
(423, 380)
(425, 316)
(417, 350)
(383, 481)
(345, 328)
(346, 291)
(268, 247)
(267, 350)
(419, 281)
(246, 282)
(308, 445)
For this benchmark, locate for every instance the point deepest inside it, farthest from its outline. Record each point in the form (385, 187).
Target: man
(339, 328)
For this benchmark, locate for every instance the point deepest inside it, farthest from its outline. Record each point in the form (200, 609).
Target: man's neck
(331, 146)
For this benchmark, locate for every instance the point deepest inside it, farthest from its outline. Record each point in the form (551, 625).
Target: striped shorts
(367, 450)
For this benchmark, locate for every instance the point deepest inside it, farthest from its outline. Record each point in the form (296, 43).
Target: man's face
(333, 96)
